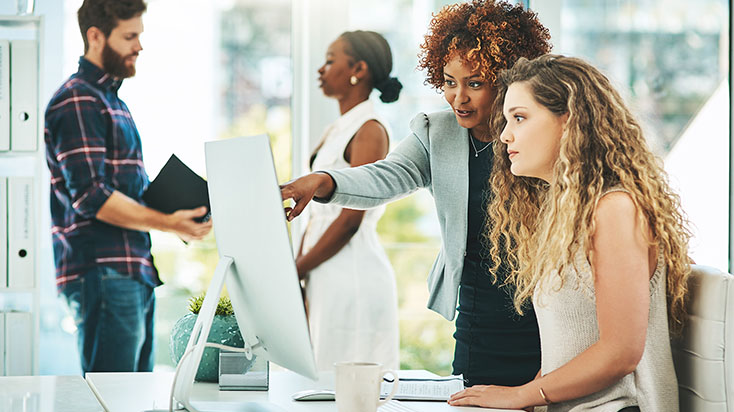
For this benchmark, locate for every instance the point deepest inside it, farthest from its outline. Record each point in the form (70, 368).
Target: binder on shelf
(18, 344)
(4, 95)
(3, 233)
(21, 233)
(2, 344)
(23, 95)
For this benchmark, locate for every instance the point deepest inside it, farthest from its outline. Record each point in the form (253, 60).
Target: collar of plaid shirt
(98, 77)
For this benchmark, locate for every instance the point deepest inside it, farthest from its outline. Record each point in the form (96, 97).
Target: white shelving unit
(20, 305)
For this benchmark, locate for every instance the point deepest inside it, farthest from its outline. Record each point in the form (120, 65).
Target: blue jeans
(114, 318)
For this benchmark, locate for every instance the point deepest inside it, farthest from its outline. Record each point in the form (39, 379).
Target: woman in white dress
(350, 285)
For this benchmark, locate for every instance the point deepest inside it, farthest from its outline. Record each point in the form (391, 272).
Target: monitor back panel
(250, 226)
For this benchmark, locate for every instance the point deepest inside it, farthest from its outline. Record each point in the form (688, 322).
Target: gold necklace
(476, 152)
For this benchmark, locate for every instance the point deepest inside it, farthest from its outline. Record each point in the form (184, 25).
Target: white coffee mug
(358, 386)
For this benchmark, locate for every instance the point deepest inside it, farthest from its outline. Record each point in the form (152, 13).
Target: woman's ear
(360, 70)
(564, 119)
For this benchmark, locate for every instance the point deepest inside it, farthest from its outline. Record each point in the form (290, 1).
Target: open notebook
(439, 388)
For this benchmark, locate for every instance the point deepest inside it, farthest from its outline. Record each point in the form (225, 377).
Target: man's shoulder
(74, 90)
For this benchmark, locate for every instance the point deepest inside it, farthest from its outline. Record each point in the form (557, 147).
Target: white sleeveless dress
(352, 297)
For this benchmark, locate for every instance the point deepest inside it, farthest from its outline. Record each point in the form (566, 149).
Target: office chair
(704, 354)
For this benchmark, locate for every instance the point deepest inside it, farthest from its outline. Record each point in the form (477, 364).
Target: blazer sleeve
(405, 170)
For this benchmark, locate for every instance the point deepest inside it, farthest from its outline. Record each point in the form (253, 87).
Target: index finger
(295, 210)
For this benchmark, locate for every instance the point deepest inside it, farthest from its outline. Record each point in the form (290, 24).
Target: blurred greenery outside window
(254, 97)
(670, 73)
(665, 56)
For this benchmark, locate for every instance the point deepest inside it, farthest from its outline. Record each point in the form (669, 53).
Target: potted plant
(224, 330)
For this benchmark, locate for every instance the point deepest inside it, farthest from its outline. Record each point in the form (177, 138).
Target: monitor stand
(232, 375)
(197, 344)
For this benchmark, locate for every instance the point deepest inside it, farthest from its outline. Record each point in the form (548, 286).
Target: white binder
(23, 95)
(3, 233)
(4, 95)
(21, 233)
(18, 344)
(2, 344)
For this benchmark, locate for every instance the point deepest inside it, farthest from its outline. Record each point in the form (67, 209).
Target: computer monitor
(255, 262)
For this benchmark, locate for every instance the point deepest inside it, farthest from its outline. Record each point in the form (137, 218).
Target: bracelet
(542, 395)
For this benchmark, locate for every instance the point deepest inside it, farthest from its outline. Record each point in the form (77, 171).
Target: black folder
(177, 187)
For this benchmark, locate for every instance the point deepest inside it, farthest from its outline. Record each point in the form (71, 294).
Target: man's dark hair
(106, 14)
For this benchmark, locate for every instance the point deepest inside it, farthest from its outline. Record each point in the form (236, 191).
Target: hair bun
(389, 89)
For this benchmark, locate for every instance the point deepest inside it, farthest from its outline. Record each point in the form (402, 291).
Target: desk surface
(129, 392)
(47, 394)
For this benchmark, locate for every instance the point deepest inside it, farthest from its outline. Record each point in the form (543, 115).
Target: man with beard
(104, 269)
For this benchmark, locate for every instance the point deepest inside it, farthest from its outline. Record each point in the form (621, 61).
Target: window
(209, 70)
(231, 77)
(670, 60)
(409, 229)
(228, 68)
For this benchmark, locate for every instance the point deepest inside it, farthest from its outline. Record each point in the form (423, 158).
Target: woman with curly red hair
(449, 154)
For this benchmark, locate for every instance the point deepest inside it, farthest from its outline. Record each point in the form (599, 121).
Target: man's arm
(120, 210)
(77, 145)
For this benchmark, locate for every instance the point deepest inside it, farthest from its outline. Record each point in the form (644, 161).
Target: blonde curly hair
(602, 146)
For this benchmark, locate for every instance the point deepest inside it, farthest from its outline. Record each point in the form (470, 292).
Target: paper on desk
(425, 389)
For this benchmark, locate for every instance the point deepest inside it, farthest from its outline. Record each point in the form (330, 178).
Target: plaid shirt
(93, 148)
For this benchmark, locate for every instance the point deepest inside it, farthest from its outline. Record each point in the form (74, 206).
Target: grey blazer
(434, 157)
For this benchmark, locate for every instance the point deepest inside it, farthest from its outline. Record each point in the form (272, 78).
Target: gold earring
(353, 80)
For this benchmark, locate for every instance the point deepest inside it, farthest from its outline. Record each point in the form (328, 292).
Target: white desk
(135, 392)
(47, 394)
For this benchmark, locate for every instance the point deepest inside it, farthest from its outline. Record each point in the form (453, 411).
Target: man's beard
(114, 63)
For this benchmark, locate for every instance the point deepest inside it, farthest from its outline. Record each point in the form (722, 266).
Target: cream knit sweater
(568, 326)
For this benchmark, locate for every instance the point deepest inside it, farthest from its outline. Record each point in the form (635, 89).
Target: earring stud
(353, 80)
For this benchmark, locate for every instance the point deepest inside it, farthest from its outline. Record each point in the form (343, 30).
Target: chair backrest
(704, 354)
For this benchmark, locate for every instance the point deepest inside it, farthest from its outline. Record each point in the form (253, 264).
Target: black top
(494, 345)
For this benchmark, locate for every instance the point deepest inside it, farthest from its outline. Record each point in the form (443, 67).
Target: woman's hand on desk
(305, 188)
(489, 396)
